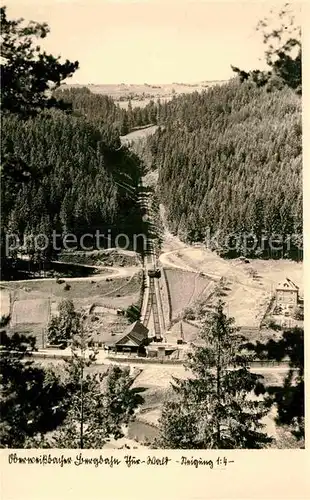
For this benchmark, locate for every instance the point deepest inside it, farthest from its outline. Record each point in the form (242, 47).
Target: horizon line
(149, 83)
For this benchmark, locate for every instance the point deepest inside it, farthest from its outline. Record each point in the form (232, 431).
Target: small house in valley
(287, 293)
(134, 340)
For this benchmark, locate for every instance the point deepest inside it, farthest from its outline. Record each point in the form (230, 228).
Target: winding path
(117, 272)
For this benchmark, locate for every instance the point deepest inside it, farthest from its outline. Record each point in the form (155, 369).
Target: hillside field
(34, 302)
(184, 288)
(246, 297)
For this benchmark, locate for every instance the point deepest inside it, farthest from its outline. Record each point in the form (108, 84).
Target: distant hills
(145, 91)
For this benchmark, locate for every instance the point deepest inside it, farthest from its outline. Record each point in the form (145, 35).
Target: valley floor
(246, 297)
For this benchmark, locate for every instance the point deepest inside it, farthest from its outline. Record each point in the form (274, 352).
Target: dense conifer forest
(75, 176)
(79, 182)
(230, 162)
(108, 117)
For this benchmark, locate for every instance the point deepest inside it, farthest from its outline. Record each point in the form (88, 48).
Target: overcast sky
(151, 41)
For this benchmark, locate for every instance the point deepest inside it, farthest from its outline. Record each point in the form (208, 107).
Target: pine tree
(217, 407)
(27, 73)
(98, 405)
(31, 397)
(62, 328)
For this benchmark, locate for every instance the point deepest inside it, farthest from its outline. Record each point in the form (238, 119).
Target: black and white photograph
(152, 288)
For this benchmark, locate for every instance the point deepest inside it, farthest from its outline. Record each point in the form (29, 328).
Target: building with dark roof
(134, 339)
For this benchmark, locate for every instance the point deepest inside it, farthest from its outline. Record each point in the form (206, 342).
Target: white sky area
(151, 41)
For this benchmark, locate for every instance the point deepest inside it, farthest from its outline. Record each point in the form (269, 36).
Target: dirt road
(106, 272)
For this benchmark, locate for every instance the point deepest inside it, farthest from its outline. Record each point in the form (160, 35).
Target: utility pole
(181, 332)
(218, 370)
(82, 409)
(81, 392)
(81, 389)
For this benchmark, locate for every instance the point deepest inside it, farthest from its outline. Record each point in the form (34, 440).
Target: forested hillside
(77, 183)
(230, 162)
(108, 116)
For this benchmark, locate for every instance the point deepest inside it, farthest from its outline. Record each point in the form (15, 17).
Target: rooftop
(134, 335)
(287, 284)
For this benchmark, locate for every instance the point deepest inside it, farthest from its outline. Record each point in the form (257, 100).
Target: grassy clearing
(78, 289)
(35, 302)
(30, 330)
(159, 376)
(4, 302)
(112, 257)
(190, 332)
(107, 327)
(184, 287)
(274, 271)
(246, 297)
(246, 304)
(30, 311)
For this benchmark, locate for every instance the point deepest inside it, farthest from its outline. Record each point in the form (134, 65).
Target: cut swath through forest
(184, 288)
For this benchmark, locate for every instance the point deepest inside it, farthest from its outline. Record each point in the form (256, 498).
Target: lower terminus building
(134, 340)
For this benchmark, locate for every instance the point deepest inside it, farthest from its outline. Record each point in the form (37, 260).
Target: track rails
(152, 305)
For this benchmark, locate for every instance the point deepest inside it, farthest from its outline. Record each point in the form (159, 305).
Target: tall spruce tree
(97, 405)
(31, 396)
(28, 74)
(65, 325)
(219, 405)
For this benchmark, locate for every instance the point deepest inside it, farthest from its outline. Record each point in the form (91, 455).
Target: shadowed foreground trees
(218, 407)
(289, 398)
(75, 407)
(31, 396)
(98, 405)
(28, 74)
(282, 38)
